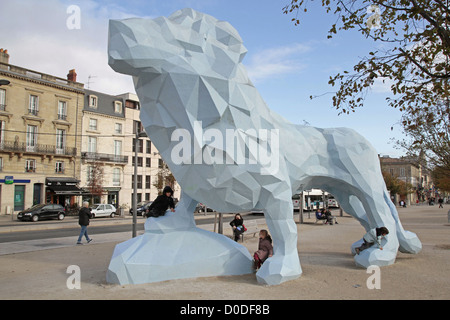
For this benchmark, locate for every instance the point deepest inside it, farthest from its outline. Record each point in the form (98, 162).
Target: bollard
(448, 216)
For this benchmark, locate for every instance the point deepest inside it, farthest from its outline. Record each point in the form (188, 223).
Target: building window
(90, 170)
(149, 147)
(137, 126)
(1, 164)
(59, 167)
(60, 141)
(402, 172)
(2, 99)
(148, 182)
(148, 162)
(140, 145)
(116, 177)
(118, 107)
(132, 104)
(92, 144)
(33, 108)
(117, 147)
(2, 132)
(118, 128)
(147, 196)
(93, 101)
(30, 165)
(93, 124)
(31, 138)
(139, 182)
(62, 110)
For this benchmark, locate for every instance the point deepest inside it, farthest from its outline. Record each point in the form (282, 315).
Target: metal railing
(13, 146)
(94, 156)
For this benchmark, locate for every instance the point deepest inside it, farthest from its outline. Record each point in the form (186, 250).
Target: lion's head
(187, 41)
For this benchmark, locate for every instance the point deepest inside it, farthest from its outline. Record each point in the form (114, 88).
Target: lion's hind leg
(409, 242)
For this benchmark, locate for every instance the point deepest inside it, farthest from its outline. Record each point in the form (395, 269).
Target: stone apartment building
(411, 173)
(109, 128)
(53, 132)
(102, 146)
(40, 127)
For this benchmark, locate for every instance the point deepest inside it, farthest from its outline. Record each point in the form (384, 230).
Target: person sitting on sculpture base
(323, 214)
(161, 204)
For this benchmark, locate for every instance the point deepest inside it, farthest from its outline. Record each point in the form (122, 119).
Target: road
(66, 231)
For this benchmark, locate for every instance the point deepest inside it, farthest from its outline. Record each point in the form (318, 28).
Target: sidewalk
(329, 271)
(12, 224)
(7, 225)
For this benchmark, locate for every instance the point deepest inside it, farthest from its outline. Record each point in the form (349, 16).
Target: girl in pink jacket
(265, 249)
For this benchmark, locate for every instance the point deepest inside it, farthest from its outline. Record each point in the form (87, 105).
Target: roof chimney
(72, 76)
(4, 56)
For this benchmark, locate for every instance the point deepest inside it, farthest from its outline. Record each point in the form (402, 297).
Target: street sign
(9, 179)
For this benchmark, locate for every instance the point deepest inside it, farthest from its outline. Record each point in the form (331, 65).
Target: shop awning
(67, 190)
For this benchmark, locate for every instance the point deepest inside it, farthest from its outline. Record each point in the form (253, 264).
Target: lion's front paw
(278, 269)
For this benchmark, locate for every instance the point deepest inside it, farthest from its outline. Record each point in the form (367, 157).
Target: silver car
(103, 210)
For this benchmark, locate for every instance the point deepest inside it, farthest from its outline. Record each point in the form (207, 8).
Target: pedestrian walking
(84, 215)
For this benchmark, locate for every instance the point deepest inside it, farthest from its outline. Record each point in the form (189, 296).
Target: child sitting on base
(372, 236)
(265, 249)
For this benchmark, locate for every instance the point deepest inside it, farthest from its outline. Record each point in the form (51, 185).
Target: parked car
(141, 208)
(42, 211)
(103, 210)
(333, 203)
(201, 208)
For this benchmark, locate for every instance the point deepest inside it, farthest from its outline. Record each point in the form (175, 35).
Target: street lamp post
(136, 140)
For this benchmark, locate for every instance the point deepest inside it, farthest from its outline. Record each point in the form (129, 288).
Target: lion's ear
(228, 35)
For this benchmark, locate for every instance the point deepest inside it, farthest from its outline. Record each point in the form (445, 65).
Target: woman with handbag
(238, 226)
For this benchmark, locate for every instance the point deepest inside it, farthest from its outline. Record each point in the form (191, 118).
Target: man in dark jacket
(83, 220)
(162, 203)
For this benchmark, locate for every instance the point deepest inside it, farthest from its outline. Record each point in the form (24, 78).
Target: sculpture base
(191, 253)
(373, 256)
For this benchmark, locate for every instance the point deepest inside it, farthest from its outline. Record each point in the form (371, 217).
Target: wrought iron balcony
(39, 149)
(104, 157)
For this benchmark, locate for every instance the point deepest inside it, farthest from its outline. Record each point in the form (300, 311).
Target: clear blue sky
(287, 63)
